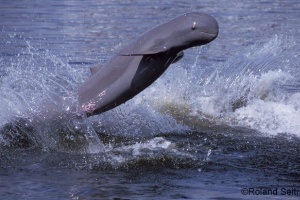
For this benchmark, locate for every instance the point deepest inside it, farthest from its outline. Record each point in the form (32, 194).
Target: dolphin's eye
(194, 26)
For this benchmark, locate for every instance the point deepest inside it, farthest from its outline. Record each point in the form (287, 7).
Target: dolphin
(140, 63)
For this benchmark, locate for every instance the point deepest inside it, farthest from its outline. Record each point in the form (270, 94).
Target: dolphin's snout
(212, 27)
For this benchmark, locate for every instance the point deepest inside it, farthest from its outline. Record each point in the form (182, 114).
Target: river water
(223, 123)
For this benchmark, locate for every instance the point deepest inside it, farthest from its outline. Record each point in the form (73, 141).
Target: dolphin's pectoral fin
(95, 68)
(178, 56)
(150, 51)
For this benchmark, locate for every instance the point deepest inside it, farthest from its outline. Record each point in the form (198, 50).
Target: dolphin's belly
(106, 88)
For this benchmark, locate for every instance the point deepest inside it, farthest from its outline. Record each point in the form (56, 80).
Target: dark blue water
(222, 121)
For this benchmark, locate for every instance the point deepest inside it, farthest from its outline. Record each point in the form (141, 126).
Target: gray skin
(141, 62)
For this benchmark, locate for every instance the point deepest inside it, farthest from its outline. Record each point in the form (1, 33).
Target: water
(224, 118)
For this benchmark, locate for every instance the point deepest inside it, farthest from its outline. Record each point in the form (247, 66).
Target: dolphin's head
(203, 28)
(193, 29)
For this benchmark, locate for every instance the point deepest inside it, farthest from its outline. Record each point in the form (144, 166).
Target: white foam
(269, 117)
(154, 147)
(155, 144)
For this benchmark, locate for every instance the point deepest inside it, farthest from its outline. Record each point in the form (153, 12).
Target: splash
(38, 104)
(258, 89)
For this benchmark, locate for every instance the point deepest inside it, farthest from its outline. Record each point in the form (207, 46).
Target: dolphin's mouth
(209, 35)
(214, 35)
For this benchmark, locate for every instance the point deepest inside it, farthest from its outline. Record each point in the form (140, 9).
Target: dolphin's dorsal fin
(95, 68)
(150, 51)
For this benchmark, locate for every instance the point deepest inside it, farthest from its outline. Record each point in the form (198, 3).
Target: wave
(258, 88)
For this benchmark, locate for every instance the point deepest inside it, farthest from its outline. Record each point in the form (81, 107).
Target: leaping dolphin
(141, 62)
